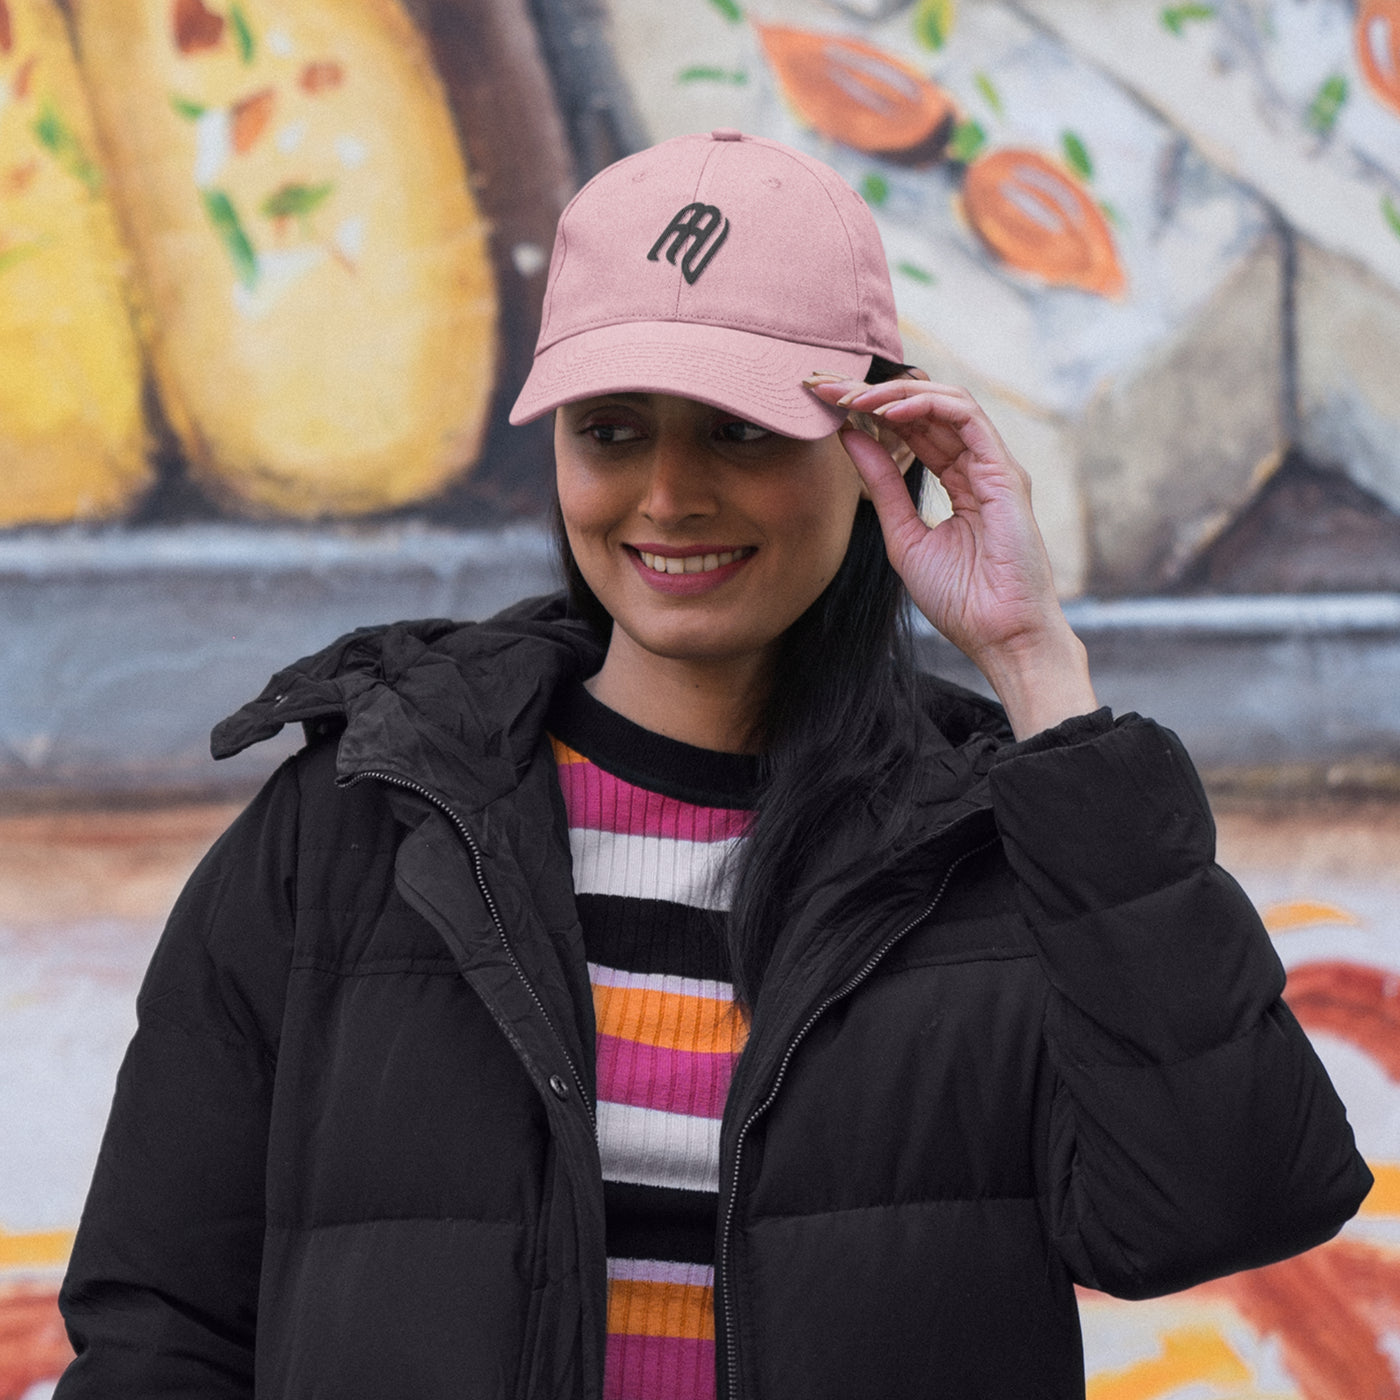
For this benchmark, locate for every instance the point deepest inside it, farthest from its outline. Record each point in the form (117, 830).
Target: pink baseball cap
(723, 268)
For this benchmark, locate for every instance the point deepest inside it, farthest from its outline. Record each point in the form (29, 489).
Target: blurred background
(269, 281)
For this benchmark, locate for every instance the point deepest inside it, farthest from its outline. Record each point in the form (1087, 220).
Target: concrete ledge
(1285, 681)
(121, 650)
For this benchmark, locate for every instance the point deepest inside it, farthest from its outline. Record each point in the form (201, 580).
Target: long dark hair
(836, 729)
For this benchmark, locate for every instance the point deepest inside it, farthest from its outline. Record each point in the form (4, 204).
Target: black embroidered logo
(695, 227)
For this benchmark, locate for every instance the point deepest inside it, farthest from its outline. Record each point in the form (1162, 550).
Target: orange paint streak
(41, 1249)
(1299, 913)
(1384, 1198)
(1356, 1003)
(250, 119)
(1036, 217)
(1378, 48)
(1190, 1355)
(24, 78)
(321, 76)
(33, 1345)
(1328, 1310)
(19, 179)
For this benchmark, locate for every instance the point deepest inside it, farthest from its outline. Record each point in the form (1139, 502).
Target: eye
(738, 430)
(608, 432)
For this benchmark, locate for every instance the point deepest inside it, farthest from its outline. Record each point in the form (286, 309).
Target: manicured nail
(846, 400)
(823, 374)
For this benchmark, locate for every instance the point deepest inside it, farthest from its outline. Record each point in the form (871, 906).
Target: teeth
(690, 564)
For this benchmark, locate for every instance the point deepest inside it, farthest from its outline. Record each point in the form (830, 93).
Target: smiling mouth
(693, 563)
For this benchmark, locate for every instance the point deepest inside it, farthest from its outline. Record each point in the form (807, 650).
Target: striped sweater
(653, 829)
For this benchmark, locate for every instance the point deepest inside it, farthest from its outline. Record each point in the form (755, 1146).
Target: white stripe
(601, 976)
(661, 1271)
(647, 1147)
(653, 867)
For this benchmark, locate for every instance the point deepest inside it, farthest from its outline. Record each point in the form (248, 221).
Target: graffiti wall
(269, 280)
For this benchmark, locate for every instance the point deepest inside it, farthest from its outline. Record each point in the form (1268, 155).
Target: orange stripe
(1385, 1194)
(640, 1309)
(563, 753)
(40, 1249)
(669, 1020)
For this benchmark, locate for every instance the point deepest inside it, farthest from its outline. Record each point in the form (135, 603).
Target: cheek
(824, 520)
(582, 502)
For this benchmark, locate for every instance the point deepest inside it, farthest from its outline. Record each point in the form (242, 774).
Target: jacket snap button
(560, 1089)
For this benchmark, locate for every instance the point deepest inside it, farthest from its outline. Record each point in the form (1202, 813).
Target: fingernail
(823, 374)
(846, 400)
(880, 412)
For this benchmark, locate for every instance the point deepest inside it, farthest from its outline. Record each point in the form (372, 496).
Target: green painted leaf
(1176, 17)
(735, 77)
(988, 90)
(1110, 213)
(242, 32)
(729, 10)
(61, 141)
(236, 243)
(1077, 155)
(967, 142)
(191, 111)
(1391, 210)
(11, 257)
(916, 273)
(933, 22)
(296, 201)
(1327, 105)
(875, 188)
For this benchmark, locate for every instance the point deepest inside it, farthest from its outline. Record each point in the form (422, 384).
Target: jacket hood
(434, 698)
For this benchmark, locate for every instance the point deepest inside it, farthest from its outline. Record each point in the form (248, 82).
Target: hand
(981, 577)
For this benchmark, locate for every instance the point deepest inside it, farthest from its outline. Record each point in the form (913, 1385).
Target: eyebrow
(638, 398)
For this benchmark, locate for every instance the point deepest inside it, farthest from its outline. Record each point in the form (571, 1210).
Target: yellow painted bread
(72, 438)
(323, 303)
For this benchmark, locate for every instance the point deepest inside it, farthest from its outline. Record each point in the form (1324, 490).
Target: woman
(667, 991)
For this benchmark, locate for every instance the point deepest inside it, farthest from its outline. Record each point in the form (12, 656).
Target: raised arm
(982, 577)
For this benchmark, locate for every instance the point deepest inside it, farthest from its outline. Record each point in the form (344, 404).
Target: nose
(678, 486)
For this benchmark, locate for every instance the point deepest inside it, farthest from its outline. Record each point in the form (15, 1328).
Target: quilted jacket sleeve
(1194, 1131)
(161, 1294)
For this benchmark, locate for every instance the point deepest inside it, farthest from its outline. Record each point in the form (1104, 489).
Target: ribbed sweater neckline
(705, 777)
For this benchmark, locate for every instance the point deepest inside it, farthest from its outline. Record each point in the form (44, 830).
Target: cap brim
(753, 376)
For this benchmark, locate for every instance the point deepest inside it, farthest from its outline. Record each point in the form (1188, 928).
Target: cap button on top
(726, 133)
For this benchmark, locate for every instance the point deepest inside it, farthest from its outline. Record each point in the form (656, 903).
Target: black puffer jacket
(352, 1151)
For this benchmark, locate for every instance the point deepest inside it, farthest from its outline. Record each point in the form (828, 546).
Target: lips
(692, 562)
(686, 572)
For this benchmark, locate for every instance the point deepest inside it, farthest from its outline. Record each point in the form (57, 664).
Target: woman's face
(705, 537)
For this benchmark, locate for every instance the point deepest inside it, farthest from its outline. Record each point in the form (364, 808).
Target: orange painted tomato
(1034, 216)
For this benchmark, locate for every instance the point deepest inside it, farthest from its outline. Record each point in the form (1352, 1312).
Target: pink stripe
(600, 802)
(674, 1081)
(645, 1368)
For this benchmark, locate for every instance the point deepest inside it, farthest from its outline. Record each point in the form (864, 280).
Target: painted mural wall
(277, 265)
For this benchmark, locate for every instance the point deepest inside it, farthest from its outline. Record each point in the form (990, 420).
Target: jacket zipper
(842, 992)
(478, 869)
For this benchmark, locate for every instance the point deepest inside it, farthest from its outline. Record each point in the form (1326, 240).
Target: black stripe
(656, 1222)
(654, 935)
